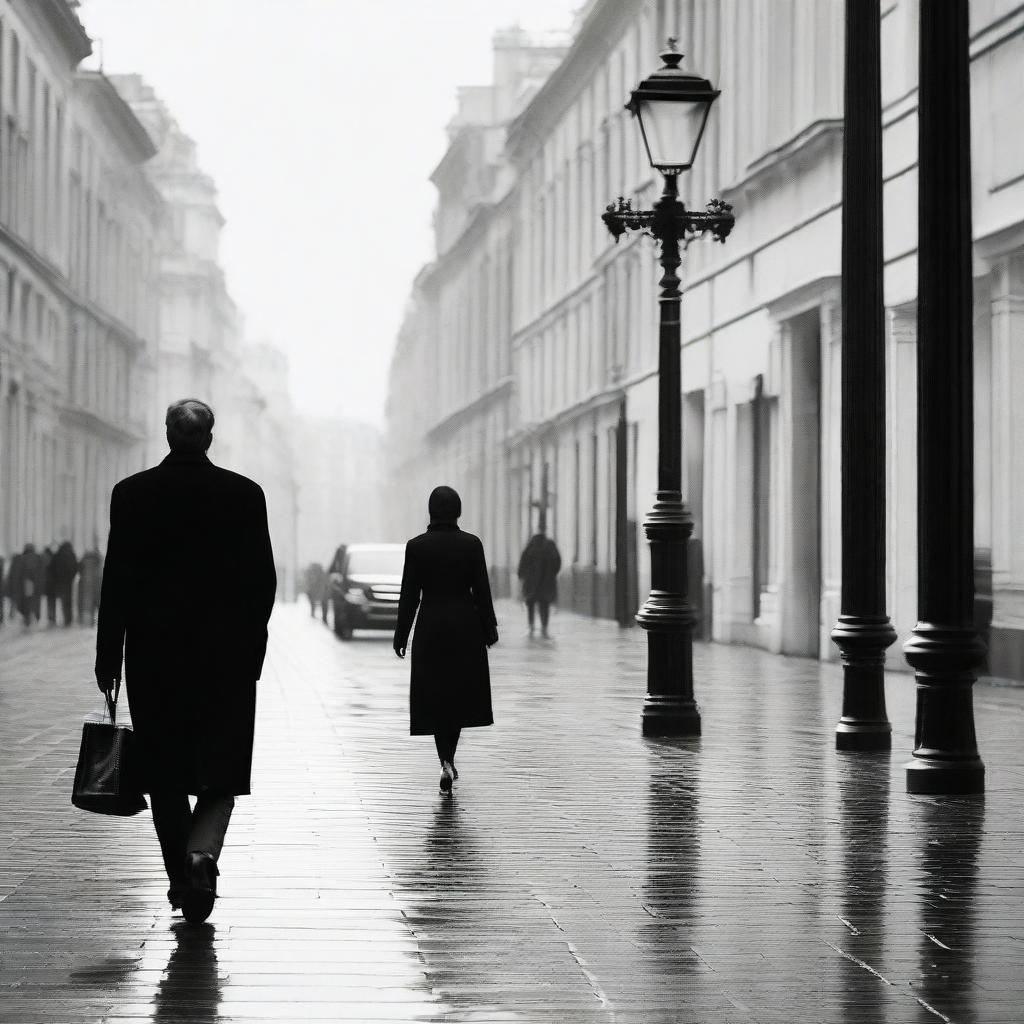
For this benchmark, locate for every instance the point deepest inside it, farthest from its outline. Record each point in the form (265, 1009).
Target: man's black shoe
(176, 896)
(201, 872)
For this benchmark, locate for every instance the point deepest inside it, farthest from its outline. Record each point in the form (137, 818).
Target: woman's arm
(408, 602)
(482, 596)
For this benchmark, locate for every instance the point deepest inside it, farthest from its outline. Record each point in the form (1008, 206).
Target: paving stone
(579, 874)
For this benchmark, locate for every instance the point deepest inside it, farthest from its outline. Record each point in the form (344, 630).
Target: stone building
(266, 451)
(112, 297)
(201, 349)
(200, 343)
(761, 322)
(450, 403)
(78, 281)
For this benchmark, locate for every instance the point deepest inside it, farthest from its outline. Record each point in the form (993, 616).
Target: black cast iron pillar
(667, 615)
(945, 650)
(863, 631)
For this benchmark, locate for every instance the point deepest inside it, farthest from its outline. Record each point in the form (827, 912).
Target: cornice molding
(60, 18)
(804, 296)
(596, 38)
(459, 416)
(79, 417)
(815, 138)
(540, 430)
(117, 115)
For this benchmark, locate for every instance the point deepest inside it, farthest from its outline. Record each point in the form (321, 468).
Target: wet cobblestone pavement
(579, 874)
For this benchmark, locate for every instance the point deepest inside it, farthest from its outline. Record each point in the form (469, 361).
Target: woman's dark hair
(189, 425)
(444, 505)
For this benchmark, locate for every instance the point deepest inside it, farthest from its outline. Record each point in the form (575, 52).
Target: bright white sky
(320, 121)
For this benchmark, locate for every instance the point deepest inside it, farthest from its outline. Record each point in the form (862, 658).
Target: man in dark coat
(538, 571)
(64, 569)
(193, 648)
(445, 576)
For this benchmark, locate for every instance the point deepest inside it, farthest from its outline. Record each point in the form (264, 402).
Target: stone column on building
(831, 327)
(1006, 657)
(944, 649)
(863, 631)
(901, 471)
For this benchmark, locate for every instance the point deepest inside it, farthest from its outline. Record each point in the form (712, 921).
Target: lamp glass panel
(673, 130)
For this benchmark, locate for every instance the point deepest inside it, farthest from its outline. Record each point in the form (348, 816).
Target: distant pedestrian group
(37, 581)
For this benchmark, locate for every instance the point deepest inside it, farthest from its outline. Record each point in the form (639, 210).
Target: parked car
(365, 587)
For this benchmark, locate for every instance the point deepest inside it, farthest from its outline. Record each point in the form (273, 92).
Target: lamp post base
(864, 724)
(946, 760)
(668, 618)
(670, 715)
(929, 776)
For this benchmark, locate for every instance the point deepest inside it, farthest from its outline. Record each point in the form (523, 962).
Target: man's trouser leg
(172, 818)
(210, 822)
(66, 606)
(545, 610)
(182, 831)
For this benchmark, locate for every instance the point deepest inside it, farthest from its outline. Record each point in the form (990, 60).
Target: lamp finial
(671, 56)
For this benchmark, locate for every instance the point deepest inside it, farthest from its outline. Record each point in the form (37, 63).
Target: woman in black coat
(445, 575)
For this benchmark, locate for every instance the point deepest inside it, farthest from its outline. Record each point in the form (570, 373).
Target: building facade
(78, 282)
(451, 394)
(761, 320)
(201, 349)
(112, 297)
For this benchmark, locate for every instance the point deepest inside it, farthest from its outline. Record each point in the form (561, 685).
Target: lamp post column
(945, 650)
(863, 631)
(667, 616)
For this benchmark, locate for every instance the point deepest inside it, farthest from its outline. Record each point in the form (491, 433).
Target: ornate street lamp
(672, 107)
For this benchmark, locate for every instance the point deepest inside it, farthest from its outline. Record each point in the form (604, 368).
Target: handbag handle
(111, 702)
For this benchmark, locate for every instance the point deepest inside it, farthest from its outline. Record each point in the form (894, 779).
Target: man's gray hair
(189, 425)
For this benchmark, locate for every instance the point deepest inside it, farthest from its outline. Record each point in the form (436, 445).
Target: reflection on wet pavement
(579, 873)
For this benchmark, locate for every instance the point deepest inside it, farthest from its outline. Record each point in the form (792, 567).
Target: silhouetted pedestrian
(90, 578)
(28, 580)
(3, 588)
(63, 570)
(538, 573)
(315, 587)
(193, 651)
(13, 574)
(445, 576)
(49, 585)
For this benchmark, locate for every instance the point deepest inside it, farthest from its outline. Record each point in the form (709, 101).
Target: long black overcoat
(445, 575)
(188, 588)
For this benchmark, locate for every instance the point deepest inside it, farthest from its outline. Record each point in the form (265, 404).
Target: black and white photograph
(509, 511)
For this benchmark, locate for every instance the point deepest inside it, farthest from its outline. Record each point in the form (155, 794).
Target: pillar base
(669, 715)
(862, 640)
(934, 777)
(858, 735)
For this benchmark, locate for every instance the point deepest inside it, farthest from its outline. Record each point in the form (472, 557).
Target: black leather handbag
(105, 780)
